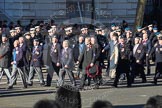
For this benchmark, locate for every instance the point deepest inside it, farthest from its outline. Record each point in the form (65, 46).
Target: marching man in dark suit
(17, 65)
(98, 75)
(23, 47)
(55, 54)
(123, 65)
(36, 63)
(67, 64)
(87, 58)
(137, 60)
(4, 58)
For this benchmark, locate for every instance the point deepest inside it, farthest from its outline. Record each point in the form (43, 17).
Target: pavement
(121, 97)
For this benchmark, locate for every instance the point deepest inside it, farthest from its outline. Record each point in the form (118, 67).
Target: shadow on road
(129, 106)
(25, 92)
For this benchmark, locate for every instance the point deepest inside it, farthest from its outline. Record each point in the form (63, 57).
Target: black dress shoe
(132, 81)
(14, 83)
(57, 86)
(155, 81)
(74, 84)
(42, 84)
(30, 84)
(129, 85)
(25, 86)
(114, 86)
(81, 88)
(10, 87)
(47, 85)
(144, 81)
(96, 87)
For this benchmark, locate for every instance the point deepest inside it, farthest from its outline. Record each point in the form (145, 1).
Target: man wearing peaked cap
(68, 28)
(11, 31)
(70, 37)
(37, 27)
(150, 25)
(32, 29)
(17, 27)
(53, 26)
(18, 32)
(39, 35)
(84, 32)
(13, 36)
(27, 33)
(97, 30)
(84, 28)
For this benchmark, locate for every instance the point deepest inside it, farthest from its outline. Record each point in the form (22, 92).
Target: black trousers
(147, 65)
(84, 77)
(138, 69)
(123, 67)
(158, 70)
(50, 73)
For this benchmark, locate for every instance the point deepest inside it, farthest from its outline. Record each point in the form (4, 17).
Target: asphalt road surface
(121, 97)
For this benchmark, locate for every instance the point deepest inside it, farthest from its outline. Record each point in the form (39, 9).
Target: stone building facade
(105, 11)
